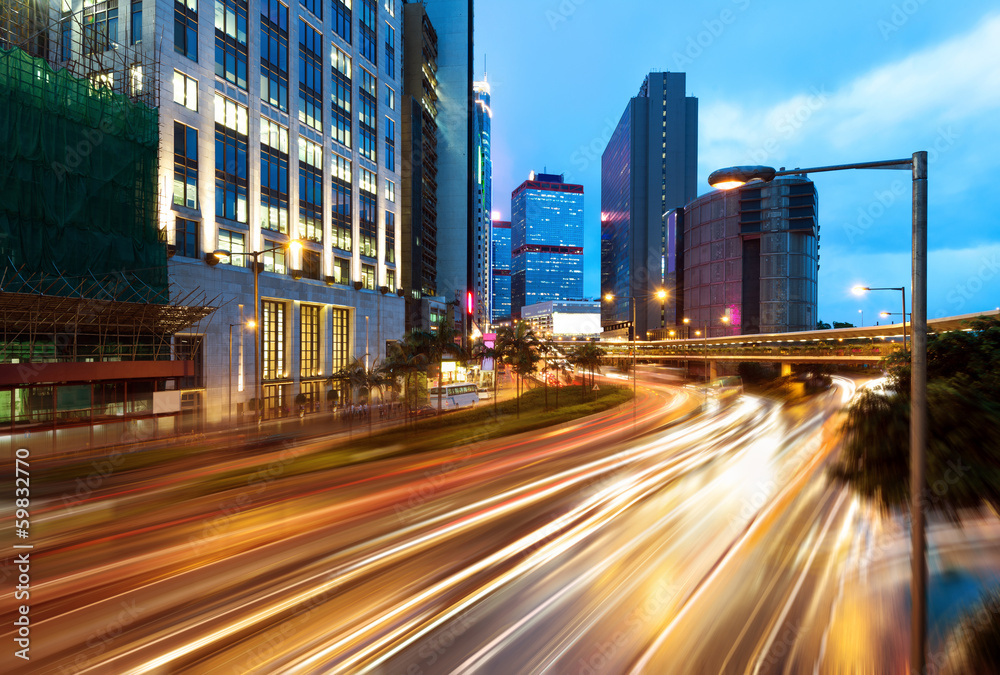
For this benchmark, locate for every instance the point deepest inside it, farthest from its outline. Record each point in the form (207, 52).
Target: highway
(675, 542)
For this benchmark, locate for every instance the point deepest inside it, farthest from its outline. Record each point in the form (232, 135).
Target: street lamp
(917, 165)
(862, 313)
(217, 256)
(902, 289)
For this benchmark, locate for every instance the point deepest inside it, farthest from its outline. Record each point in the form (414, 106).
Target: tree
(435, 346)
(842, 324)
(587, 357)
(963, 449)
(823, 325)
(519, 345)
(406, 359)
(481, 353)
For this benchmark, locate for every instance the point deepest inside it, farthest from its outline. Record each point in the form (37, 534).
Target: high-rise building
(278, 123)
(483, 180)
(648, 168)
(752, 256)
(420, 164)
(452, 20)
(500, 281)
(546, 241)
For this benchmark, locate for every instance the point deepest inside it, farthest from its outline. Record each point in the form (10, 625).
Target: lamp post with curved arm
(917, 165)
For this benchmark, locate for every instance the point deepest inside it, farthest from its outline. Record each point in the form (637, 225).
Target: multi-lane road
(656, 541)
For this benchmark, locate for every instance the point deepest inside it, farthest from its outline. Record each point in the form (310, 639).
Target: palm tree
(405, 360)
(560, 367)
(519, 347)
(587, 357)
(545, 351)
(435, 346)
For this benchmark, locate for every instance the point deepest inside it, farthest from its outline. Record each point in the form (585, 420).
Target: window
(339, 339)
(390, 191)
(390, 7)
(390, 97)
(341, 219)
(367, 28)
(136, 12)
(367, 277)
(366, 215)
(366, 114)
(390, 236)
(230, 160)
(100, 26)
(390, 144)
(341, 271)
(312, 265)
(310, 76)
(309, 340)
(186, 28)
(186, 238)
(273, 176)
(390, 52)
(273, 342)
(185, 90)
(390, 280)
(185, 166)
(274, 261)
(340, 97)
(231, 41)
(274, 54)
(342, 19)
(234, 242)
(310, 190)
(314, 6)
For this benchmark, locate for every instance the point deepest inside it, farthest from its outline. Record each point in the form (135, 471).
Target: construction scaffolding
(79, 142)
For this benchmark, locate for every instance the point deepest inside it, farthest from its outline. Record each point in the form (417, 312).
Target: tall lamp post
(917, 165)
(860, 290)
(219, 255)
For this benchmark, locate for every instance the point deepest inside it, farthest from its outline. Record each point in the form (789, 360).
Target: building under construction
(93, 351)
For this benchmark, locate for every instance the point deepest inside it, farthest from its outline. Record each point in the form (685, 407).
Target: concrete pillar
(786, 368)
(713, 370)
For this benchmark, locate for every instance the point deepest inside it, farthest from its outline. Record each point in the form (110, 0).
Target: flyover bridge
(839, 346)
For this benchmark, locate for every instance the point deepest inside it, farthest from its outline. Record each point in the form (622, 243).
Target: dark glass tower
(649, 167)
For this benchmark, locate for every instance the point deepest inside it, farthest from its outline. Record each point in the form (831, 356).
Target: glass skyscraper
(500, 259)
(483, 179)
(648, 168)
(546, 242)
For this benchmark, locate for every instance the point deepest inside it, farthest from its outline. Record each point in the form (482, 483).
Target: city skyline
(907, 82)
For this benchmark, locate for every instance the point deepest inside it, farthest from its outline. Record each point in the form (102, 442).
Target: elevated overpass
(835, 346)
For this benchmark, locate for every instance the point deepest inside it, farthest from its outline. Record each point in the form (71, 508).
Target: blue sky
(784, 84)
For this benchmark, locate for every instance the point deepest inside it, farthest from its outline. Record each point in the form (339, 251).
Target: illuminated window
(185, 90)
(273, 339)
(231, 41)
(231, 143)
(309, 318)
(273, 176)
(185, 166)
(274, 54)
(186, 28)
(310, 190)
(310, 76)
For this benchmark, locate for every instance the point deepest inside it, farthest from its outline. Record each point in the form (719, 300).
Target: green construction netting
(78, 172)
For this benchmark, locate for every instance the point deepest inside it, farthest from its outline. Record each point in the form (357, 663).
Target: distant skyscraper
(648, 168)
(500, 260)
(752, 255)
(483, 179)
(546, 241)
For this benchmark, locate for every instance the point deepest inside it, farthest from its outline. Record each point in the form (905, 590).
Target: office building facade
(483, 180)
(280, 123)
(546, 241)
(420, 160)
(648, 168)
(500, 277)
(752, 256)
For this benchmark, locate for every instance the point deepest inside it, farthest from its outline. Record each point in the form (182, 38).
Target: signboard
(166, 402)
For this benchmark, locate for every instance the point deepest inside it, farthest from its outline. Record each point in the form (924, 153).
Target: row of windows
(186, 244)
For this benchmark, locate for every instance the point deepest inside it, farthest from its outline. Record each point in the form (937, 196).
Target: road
(656, 544)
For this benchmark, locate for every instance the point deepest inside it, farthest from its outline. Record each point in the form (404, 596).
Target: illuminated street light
(917, 166)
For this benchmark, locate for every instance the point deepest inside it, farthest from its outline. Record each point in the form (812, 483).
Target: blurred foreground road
(712, 544)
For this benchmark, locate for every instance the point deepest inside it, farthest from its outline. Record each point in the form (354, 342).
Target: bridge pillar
(713, 370)
(786, 368)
